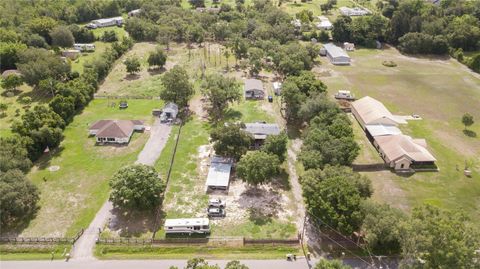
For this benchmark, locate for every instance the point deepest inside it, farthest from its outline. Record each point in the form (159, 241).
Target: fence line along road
(196, 241)
(41, 240)
(126, 97)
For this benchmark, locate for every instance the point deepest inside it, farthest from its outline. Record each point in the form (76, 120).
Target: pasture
(440, 91)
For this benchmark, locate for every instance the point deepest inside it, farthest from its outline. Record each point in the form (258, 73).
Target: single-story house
(115, 131)
(134, 12)
(254, 89)
(115, 21)
(336, 55)
(400, 151)
(369, 111)
(71, 54)
(219, 173)
(169, 112)
(84, 47)
(355, 11)
(277, 87)
(260, 131)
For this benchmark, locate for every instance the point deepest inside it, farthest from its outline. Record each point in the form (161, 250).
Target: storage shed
(336, 55)
(169, 112)
(219, 173)
(254, 89)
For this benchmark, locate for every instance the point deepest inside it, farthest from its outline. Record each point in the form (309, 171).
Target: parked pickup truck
(215, 202)
(215, 212)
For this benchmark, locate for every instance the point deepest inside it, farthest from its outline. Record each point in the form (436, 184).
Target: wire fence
(218, 241)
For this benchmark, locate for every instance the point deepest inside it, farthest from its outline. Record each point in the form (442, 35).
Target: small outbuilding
(354, 11)
(349, 46)
(325, 25)
(336, 55)
(115, 21)
(71, 54)
(254, 89)
(169, 112)
(134, 12)
(84, 47)
(277, 87)
(218, 177)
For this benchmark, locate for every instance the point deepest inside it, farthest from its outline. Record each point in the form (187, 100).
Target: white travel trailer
(84, 47)
(187, 226)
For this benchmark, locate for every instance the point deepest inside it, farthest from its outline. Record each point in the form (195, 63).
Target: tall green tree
(38, 64)
(62, 37)
(136, 187)
(9, 53)
(18, 198)
(467, 120)
(14, 154)
(231, 141)
(257, 167)
(435, 238)
(235, 265)
(333, 196)
(11, 82)
(277, 145)
(132, 64)
(157, 58)
(219, 92)
(330, 264)
(177, 87)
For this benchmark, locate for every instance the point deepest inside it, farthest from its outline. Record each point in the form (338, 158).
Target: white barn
(115, 21)
(369, 111)
(336, 55)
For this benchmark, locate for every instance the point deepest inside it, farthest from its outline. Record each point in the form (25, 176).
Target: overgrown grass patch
(153, 252)
(33, 252)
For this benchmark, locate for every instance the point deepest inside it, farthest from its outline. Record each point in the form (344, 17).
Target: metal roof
(382, 130)
(219, 171)
(253, 84)
(259, 129)
(108, 20)
(370, 109)
(186, 222)
(115, 128)
(335, 51)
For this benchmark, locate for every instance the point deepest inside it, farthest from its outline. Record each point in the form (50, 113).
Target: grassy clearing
(132, 252)
(33, 252)
(440, 91)
(71, 196)
(100, 47)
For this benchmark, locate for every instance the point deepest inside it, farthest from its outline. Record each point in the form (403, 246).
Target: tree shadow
(156, 71)
(262, 204)
(16, 229)
(132, 223)
(44, 161)
(36, 96)
(14, 92)
(281, 181)
(131, 77)
(232, 114)
(470, 133)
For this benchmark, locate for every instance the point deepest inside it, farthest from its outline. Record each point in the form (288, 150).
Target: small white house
(336, 55)
(325, 25)
(355, 11)
(187, 226)
(84, 47)
(115, 21)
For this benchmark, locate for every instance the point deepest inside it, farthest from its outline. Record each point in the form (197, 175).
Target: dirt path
(83, 248)
(296, 187)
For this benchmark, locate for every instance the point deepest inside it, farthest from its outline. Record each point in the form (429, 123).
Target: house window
(110, 139)
(196, 228)
(402, 166)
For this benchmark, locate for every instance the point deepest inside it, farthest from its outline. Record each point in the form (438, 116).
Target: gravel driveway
(159, 134)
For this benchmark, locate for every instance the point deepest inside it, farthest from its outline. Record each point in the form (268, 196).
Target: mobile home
(115, 21)
(84, 47)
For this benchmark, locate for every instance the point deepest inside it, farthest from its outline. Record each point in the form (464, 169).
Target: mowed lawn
(71, 196)
(440, 91)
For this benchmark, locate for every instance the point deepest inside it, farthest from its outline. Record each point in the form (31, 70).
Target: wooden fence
(41, 240)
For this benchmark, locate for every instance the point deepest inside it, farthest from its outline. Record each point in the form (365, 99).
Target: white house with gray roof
(260, 131)
(336, 55)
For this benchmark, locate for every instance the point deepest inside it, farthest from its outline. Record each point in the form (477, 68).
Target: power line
(333, 229)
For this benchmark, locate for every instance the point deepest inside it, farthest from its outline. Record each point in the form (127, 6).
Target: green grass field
(71, 196)
(33, 252)
(440, 91)
(133, 252)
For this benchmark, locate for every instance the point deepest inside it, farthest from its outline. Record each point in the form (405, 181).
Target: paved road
(83, 248)
(144, 264)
